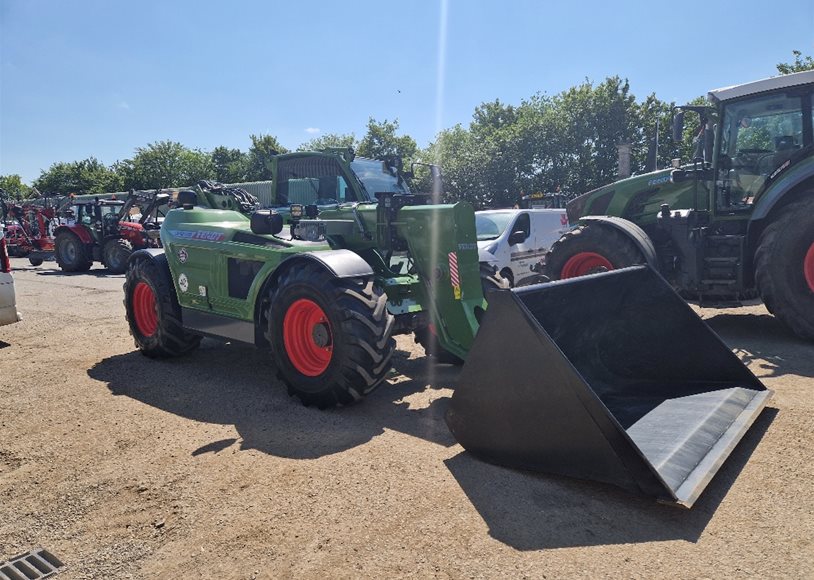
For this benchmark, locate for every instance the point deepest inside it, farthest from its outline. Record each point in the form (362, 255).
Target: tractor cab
(761, 129)
(758, 137)
(101, 217)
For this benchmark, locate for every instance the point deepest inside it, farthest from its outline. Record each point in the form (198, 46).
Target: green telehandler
(735, 225)
(350, 257)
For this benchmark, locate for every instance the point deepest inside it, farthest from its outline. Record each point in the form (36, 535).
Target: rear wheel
(784, 266)
(70, 253)
(330, 337)
(115, 254)
(588, 249)
(153, 311)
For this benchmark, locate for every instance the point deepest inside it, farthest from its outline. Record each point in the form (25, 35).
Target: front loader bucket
(610, 377)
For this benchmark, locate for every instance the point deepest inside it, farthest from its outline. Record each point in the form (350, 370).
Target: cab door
(521, 247)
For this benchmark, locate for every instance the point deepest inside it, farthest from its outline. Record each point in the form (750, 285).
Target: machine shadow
(234, 384)
(529, 511)
(98, 273)
(764, 344)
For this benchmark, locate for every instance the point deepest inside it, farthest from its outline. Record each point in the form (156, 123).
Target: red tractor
(108, 231)
(29, 230)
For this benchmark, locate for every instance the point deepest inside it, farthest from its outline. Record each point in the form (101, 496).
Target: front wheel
(153, 312)
(70, 253)
(588, 249)
(35, 261)
(115, 254)
(330, 337)
(784, 267)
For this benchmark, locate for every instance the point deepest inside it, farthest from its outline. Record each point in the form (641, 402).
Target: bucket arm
(442, 243)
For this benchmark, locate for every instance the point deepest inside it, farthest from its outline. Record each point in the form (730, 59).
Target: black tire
(35, 261)
(591, 248)
(351, 342)
(163, 336)
(506, 273)
(784, 249)
(70, 253)
(433, 349)
(490, 280)
(115, 254)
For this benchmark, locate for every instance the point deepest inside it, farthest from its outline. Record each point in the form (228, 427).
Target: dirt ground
(126, 467)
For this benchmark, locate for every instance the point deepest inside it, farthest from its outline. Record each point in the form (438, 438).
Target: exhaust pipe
(610, 377)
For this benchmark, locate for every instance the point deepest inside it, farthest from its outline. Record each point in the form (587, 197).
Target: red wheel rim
(585, 263)
(307, 337)
(808, 267)
(144, 309)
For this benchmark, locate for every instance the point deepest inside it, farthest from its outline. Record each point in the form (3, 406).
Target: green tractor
(735, 225)
(362, 259)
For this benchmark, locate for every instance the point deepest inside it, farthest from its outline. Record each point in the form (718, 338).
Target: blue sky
(100, 78)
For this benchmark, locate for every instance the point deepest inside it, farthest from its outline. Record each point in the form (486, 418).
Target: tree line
(563, 143)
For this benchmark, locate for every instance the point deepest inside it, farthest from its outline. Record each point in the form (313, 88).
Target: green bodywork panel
(639, 198)
(199, 243)
(786, 180)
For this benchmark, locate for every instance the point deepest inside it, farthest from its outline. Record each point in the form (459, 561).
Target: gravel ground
(126, 467)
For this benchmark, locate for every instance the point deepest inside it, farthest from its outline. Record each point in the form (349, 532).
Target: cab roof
(761, 86)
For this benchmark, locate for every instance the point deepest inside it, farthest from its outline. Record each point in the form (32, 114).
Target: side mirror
(266, 222)
(678, 126)
(517, 237)
(187, 199)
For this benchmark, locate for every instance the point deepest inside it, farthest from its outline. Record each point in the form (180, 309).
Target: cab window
(523, 224)
(758, 136)
(311, 180)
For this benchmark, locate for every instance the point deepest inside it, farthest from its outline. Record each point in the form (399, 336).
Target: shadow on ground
(528, 511)
(97, 273)
(765, 344)
(235, 384)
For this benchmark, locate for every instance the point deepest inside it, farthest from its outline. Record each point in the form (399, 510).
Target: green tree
(263, 148)
(230, 165)
(801, 63)
(329, 140)
(81, 177)
(165, 164)
(381, 141)
(454, 150)
(14, 187)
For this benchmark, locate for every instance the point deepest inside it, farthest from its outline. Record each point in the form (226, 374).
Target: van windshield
(489, 225)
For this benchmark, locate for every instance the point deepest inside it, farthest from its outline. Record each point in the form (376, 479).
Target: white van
(515, 241)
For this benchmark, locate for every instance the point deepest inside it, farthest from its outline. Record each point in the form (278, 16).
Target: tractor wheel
(588, 249)
(35, 261)
(115, 254)
(70, 253)
(330, 337)
(427, 336)
(784, 266)
(153, 311)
